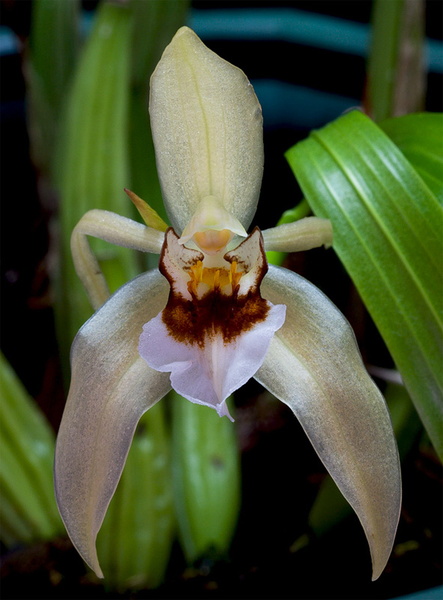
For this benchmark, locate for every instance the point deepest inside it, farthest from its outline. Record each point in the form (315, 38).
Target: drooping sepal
(313, 365)
(111, 387)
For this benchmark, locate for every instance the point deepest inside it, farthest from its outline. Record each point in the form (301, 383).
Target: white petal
(111, 388)
(209, 374)
(112, 228)
(313, 365)
(207, 128)
(307, 233)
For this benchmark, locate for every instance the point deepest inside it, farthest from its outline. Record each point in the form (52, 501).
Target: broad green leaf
(388, 234)
(420, 138)
(54, 43)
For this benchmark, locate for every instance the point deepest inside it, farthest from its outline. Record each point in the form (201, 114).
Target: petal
(207, 130)
(307, 233)
(313, 365)
(111, 388)
(111, 228)
(210, 373)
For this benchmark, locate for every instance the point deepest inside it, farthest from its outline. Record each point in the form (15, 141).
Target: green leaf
(419, 136)
(54, 43)
(135, 540)
(388, 234)
(396, 76)
(27, 506)
(206, 478)
(93, 163)
(53, 46)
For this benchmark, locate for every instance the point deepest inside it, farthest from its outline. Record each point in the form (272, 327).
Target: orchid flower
(214, 314)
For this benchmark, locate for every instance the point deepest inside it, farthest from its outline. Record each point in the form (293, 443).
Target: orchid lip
(214, 332)
(216, 302)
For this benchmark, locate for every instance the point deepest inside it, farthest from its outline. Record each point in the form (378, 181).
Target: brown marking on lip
(215, 313)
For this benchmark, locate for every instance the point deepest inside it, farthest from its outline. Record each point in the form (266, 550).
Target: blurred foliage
(396, 76)
(206, 478)
(53, 50)
(28, 512)
(136, 537)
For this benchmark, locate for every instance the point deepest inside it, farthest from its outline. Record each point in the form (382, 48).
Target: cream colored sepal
(208, 131)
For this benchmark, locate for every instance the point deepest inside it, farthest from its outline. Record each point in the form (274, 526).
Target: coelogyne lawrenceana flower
(214, 314)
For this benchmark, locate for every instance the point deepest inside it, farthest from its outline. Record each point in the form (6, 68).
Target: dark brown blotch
(215, 314)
